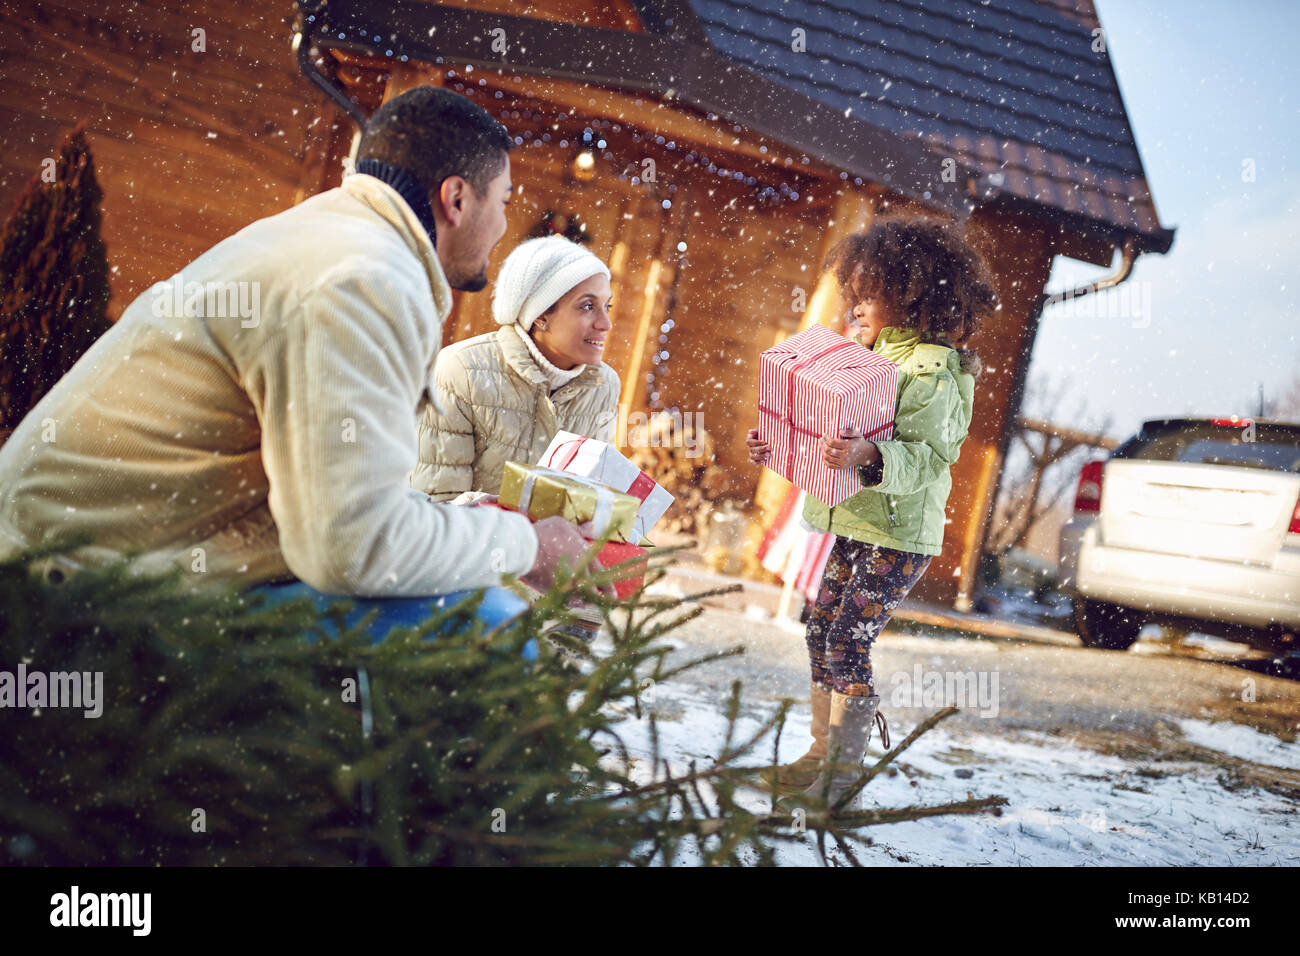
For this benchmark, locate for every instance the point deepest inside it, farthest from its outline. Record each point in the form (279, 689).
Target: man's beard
(474, 282)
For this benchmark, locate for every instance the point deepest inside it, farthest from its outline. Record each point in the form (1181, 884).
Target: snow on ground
(1067, 806)
(1242, 742)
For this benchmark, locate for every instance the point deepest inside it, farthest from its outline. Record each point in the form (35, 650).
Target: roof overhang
(1084, 228)
(677, 65)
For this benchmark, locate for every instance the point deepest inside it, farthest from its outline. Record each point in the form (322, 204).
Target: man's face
(472, 227)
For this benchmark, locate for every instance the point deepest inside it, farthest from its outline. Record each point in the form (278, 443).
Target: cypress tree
(54, 287)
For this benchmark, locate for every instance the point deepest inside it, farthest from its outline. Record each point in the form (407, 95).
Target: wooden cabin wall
(189, 146)
(744, 282)
(1019, 254)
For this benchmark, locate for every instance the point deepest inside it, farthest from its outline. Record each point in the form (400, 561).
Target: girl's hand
(848, 450)
(759, 451)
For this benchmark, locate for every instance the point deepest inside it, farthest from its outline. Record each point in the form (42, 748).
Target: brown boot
(846, 743)
(795, 777)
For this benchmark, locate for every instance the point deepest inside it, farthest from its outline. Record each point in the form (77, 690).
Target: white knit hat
(536, 275)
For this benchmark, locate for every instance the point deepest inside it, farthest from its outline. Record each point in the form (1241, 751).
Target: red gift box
(818, 382)
(614, 552)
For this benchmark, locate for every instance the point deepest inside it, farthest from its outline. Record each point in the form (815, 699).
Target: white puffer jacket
(498, 408)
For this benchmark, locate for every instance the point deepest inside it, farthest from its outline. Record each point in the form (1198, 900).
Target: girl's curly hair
(927, 275)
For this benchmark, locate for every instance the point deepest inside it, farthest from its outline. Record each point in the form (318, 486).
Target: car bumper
(1070, 541)
(1242, 594)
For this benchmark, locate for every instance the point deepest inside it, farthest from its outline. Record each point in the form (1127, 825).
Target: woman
(505, 394)
(918, 292)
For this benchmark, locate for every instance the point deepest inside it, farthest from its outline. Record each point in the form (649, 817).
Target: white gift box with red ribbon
(599, 460)
(814, 383)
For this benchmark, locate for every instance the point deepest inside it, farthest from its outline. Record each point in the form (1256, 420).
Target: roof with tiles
(1011, 88)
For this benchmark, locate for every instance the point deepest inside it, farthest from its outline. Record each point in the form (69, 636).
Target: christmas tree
(229, 733)
(54, 287)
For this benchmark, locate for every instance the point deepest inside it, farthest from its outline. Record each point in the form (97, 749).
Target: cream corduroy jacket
(268, 447)
(498, 407)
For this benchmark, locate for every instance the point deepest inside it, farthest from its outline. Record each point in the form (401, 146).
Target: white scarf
(555, 377)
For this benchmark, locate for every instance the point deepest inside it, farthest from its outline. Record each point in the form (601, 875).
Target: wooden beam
(634, 380)
(1068, 434)
(976, 529)
(1020, 259)
(407, 76)
(853, 211)
(1077, 245)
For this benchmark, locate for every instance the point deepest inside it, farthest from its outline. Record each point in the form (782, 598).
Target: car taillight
(1088, 495)
(1295, 519)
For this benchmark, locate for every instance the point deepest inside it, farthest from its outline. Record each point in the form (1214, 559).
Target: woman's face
(866, 311)
(573, 332)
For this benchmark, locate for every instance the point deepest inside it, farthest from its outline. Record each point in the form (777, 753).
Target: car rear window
(1274, 448)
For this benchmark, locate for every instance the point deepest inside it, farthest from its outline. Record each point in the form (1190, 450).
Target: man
(255, 416)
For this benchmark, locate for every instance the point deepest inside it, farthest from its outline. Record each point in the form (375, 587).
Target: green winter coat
(905, 511)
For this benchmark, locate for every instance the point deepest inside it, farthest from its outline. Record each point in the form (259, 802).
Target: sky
(1207, 87)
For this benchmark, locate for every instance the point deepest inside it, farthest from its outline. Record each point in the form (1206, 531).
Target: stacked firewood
(680, 455)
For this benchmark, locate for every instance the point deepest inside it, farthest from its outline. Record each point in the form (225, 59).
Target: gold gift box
(543, 492)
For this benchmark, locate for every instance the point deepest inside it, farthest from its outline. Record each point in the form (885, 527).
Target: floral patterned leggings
(862, 585)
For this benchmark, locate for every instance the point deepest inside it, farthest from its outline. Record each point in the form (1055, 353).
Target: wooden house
(709, 150)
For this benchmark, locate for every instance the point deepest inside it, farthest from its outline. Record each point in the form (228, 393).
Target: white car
(1193, 523)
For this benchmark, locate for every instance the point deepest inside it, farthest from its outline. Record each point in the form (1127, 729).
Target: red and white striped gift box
(818, 382)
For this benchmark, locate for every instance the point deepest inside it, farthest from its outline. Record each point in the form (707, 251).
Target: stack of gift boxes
(589, 483)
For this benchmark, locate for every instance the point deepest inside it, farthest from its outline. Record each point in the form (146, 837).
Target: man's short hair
(434, 133)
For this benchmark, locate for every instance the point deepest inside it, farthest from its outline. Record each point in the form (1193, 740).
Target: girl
(507, 393)
(917, 292)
